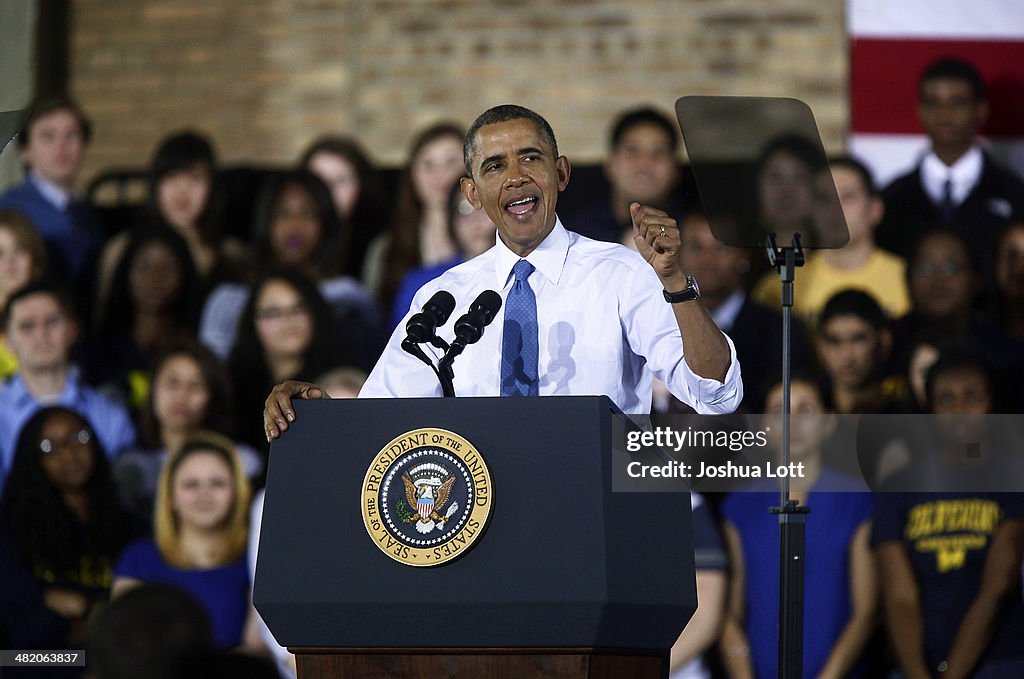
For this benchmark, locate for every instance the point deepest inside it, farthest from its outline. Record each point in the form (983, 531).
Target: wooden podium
(568, 579)
(495, 663)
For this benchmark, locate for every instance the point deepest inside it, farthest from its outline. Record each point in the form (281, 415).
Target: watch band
(690, 292)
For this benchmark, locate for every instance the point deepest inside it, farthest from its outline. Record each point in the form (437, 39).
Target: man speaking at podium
(579, 317)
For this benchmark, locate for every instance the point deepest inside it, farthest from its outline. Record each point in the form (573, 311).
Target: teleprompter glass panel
(11, 123)
(761, 169)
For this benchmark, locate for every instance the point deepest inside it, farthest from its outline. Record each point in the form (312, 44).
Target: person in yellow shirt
(859, 265)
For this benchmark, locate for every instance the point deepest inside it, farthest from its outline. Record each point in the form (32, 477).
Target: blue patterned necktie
(519, 341)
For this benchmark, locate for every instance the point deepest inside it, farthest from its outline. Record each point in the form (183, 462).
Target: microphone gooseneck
(421, 328)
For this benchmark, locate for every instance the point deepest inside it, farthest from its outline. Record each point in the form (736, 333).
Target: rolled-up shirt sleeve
(651, 329)
(707, 395)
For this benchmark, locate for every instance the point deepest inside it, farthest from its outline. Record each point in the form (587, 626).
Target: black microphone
(422, 326)
(470, 327)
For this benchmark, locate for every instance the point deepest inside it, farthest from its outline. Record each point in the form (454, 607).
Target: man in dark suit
(642, 166)
(52, 148)
(756, 330)
(957, 184)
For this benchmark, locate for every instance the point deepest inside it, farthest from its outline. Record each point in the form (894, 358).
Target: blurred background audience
(139, 343)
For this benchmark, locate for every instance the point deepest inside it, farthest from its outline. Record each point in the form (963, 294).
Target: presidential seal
(426, 497)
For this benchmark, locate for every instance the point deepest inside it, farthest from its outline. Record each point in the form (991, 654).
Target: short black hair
(182, 151)
(860, 169)
(645, 115)
(802, 374)
(854, 303)
(953, 68)
(955, 357)
(502, 114)
(145, 631)
(43, 286)
(47, 104)
(932, 233)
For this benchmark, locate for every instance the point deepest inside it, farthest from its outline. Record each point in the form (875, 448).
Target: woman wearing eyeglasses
(60, 510)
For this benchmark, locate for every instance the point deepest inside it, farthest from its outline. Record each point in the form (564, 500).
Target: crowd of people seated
(137, 354)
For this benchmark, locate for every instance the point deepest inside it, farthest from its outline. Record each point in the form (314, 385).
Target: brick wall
(263, 77)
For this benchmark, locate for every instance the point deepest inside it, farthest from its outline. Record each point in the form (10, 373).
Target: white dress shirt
(604, 328)
(726, 313)
(963, 175)
(55, 195)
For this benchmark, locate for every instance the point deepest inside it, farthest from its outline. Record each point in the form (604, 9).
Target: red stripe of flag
(884, 73)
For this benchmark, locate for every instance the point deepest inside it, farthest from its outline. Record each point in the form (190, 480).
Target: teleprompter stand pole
(792, 517)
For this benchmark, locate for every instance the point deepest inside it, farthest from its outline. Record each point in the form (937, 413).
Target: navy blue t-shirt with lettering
(947, 537)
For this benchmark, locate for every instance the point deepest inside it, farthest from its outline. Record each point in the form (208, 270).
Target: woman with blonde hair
(200, 533)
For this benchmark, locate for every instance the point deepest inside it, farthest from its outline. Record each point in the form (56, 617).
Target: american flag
(891, 42)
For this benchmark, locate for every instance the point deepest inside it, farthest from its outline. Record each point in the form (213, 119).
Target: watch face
(691, 283)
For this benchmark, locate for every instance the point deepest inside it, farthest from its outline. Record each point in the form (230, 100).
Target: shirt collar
(964, 173)
(726, 312)
(71, 393)
(548, 257)
(55, 195)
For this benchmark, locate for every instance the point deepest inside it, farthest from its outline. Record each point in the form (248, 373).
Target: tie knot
(522, 270)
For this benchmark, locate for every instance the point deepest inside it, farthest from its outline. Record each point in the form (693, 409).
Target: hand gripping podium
(564, 578)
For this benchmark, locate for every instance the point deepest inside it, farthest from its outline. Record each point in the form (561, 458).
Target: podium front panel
(563, 561)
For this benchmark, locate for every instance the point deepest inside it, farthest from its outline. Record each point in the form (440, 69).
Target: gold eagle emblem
(425, 500)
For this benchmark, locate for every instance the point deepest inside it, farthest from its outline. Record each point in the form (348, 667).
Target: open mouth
(522, 208)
